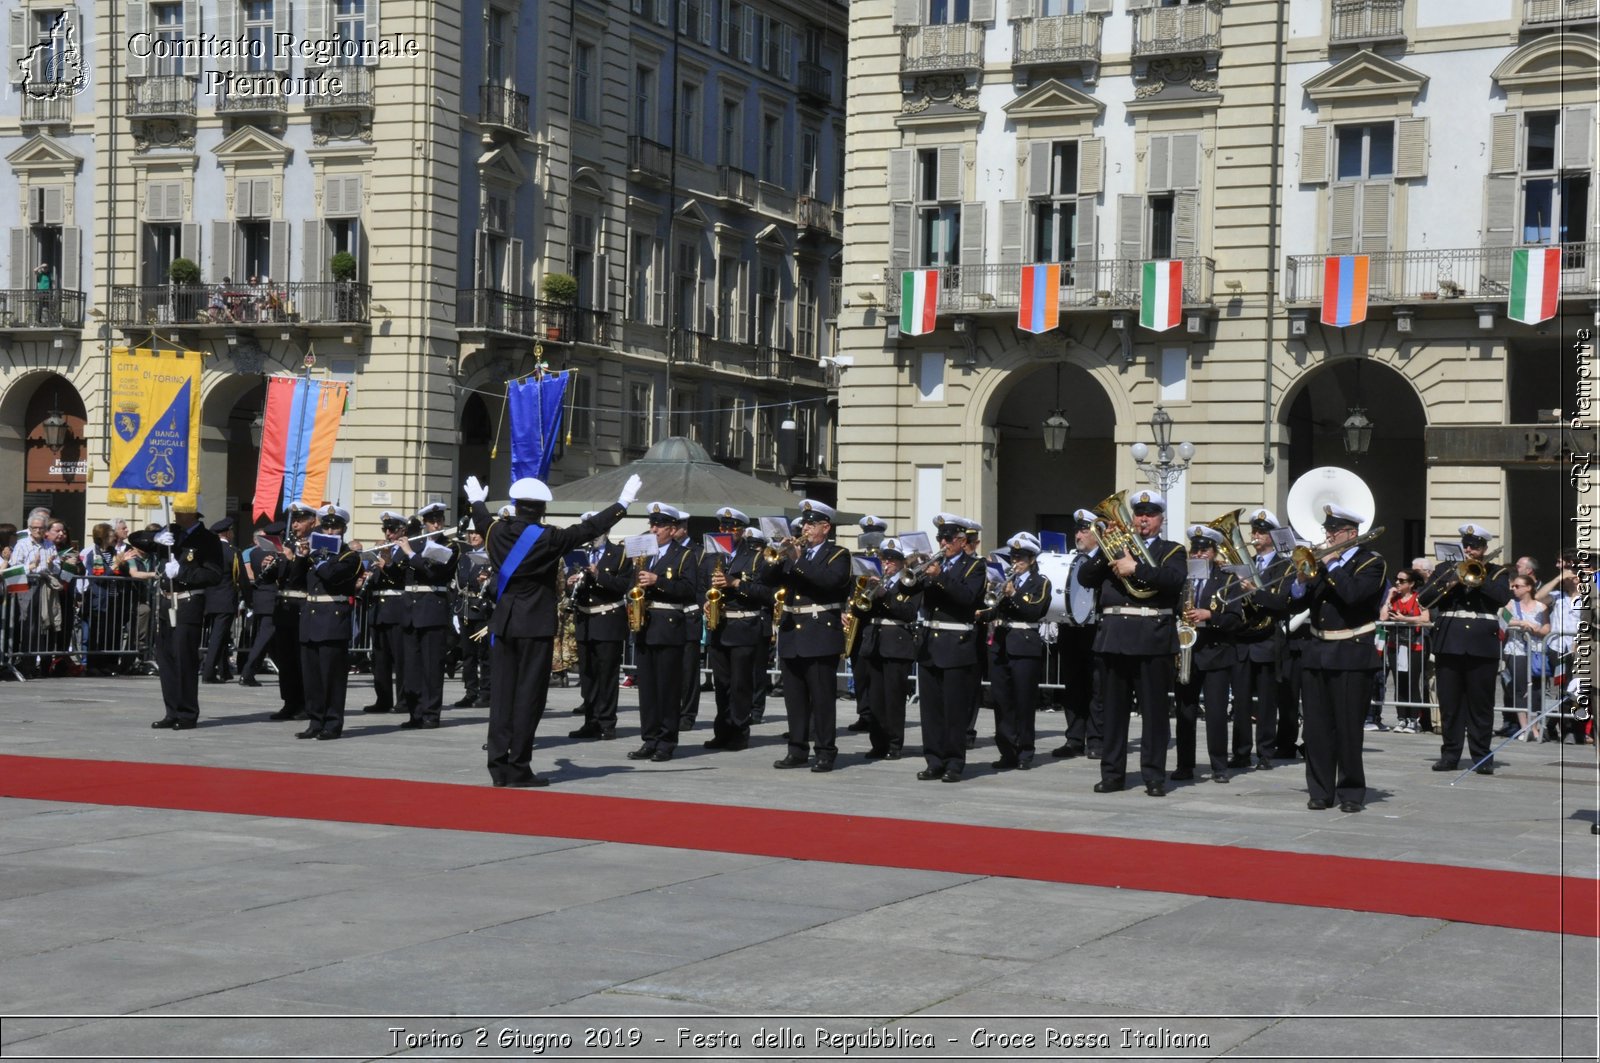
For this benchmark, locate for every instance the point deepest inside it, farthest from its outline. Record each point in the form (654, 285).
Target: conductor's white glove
(164, 537)
(475, 491)
(630, 491)
(171, 569)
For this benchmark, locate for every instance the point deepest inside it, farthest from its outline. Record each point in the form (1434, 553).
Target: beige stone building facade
(1248, 139)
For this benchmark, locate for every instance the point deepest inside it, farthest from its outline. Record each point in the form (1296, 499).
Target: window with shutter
(1342, 219)
(278, 258)
(1158, 160)
(899, 240)
(222, 251)
(1503, 142)
(1087, 249)
(950, 173)
(900, 165)
(71, 259)
(1091, 165)
(54, 211)
(1185, 224)
(191, 32)
(1314, 155)
(137, 22)
(1411, 148)
(1130, 239)
(1185, 162)
(314, 260)
(972, 246)
(1011, 212)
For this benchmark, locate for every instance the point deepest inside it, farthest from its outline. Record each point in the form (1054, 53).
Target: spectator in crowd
(1563, 596)
(1526, 624)
(68, 592)
(105, 600)
(39, 611)
(1528, 566)
(1404, 644)
(142, 568)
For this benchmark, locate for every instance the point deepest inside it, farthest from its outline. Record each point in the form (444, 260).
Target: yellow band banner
(155, 427)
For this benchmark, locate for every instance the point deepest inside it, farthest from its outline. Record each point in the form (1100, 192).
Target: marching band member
(526, 555)
(1344, 595)
(952, 589)
(222, 604)
(697, 569)
(981, 673)
(262, 581)
(1080, 665)
(733, 645)
(1137, 642)
(193, 563)
(814, 576)
(598, 593)
(474, 603)
(873, 529)
(888, 644)
(669, 588)
(1261, 640)
(302, 521)
(326, 624)
(427, 598)
(385, 588)
(1214, 658)
(1466, 648)
(761, 660)
(1016, 653)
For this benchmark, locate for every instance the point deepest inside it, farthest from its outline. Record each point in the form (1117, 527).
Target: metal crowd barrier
(62, 626)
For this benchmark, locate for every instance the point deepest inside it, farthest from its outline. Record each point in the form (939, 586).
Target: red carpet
(1514, 899)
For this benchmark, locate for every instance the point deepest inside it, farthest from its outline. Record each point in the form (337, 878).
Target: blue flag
(1054, 542)
(536, 409)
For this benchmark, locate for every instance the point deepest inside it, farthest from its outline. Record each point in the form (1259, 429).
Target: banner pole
(505, 402)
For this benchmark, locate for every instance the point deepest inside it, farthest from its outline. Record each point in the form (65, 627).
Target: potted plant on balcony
(186, 295)
(561, 291)
(343, 267)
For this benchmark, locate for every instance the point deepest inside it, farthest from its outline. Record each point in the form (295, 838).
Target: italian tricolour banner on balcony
(1161, 295)
(1344, 290)
(919, 301)
(155, 427)
(1535, 281)
(1040, 307)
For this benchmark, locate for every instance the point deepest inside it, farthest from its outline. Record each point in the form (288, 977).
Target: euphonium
(1233, 550)
(859, 599)
(1114, 532)
(714, 602)
(636, 600)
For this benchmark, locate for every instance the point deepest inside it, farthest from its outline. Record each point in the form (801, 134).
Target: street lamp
(1357, 431)
(1056, 430)
(1170, 462)
(55, 431)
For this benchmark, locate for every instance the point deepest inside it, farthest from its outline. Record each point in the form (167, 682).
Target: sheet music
(641, 545)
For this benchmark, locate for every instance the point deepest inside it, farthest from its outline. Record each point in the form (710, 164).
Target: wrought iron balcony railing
(1355, 21)
(487, 310)
(1057, 39)
(1107, 283)
(1474, 273)
(816, 81)
(503, 107)
(253, 103)
(814, 214)
(28, 308)
(163, 96)
(241, 305)
(957, 46)
(344, 88)
(737, 185)
(648, 159)
(1555, 12)
(1178, 30)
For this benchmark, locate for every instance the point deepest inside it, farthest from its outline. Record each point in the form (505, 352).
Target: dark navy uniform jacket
(608, 587)
(811, 581)
(897, 606)
(1466, 620)
(329, 577)
(1026, 607)
(1344, 599)
(950, 600)
(1139, 636)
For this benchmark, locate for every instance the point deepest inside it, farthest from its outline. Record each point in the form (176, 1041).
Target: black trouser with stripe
(422, 663)
(178, 658)
(386, 657)
(516, 704)
(1336, 704)
(1211, 686)
(660, 682)
(811, 700)
(286, 652)
(1015, 684)
(1255, 688)
(1148, 680)
(891, 686)
(733, 679)
(325, 674)
(946, 700)
(1466, 703)
(218, 665)
(599, 677)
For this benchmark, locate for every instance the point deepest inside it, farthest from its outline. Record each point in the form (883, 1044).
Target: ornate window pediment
(45, 153)
(502, 164)
(1564, 59)
(1365, 76)
(691, 213)
(1054, 100)
(249, 144)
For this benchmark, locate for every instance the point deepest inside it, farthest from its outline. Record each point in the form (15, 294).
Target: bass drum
(1056, 567)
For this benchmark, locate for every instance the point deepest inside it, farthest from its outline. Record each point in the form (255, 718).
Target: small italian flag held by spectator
(1161, 295)
(15, 578)
(1535, 280)
(919, 301)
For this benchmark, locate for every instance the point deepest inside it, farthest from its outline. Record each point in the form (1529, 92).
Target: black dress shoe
(1093, 754)
(642, 753)
(1003, 764)
(1024, 765)
(972, 743)
(1443, 765)
(1068, 751)
(860, 724)
(378, 708)
(588, 730)
(714, 743)
(430, 725)
(790, 762)
(950, 776)
(1219, 776)
(497, 782)
(247, 681)
(410, 725)
(465, 703)
(309, 732)
(1349, 806)
(1317, 804)
(928, 775)
(282, 714)
(660, 756)
(822, 766)
(1484, 769)
(876, 754)
(1238, 762)
(481, 703)
(1182, 775)
(329, 736)
(167, 724)
(530, 781)
(1106, 788)
(1263, 764)
(1155, 789)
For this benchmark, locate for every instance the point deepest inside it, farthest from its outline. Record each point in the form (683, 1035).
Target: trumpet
(772, 553)
(1115, 536)
(1471, 573)
(714, 598)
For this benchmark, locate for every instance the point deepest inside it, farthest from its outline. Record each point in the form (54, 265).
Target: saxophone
(779, 600)
(1187, 634)
(714, 598)
(636, 600)
(861, 599)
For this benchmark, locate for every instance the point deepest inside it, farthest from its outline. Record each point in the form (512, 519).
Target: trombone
(1306, 562)
(1471, 573)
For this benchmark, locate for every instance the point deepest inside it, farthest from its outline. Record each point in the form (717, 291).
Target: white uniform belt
(740, 614)
(328, 598)
(1341, 634)
(1133, 610)
(676, 607)
(387, 594)
(427, 590)
(883, 622)
(1016, 623)
(591, 610)
(291, 594)
(1462, 614)
(811, 610)
(946, 625)
(183, 596)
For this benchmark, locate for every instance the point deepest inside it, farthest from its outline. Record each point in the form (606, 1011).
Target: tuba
(1115, 535)
(1234, 550)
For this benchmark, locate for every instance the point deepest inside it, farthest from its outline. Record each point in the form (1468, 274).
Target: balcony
(1193, 29)
(166, 96)
(503, 108)
(774, 199)
(487, 310)
(343, 88)
(22, 309)
(737, 186)
(1059, 40)
(245, 105)
(815, 215)
(816, 82)
(949, 49)
(1369, 21)
(1099, 285)
(54, 108)
(649, 161)
(1472, 273)
(1553, 13)
(294, 303)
